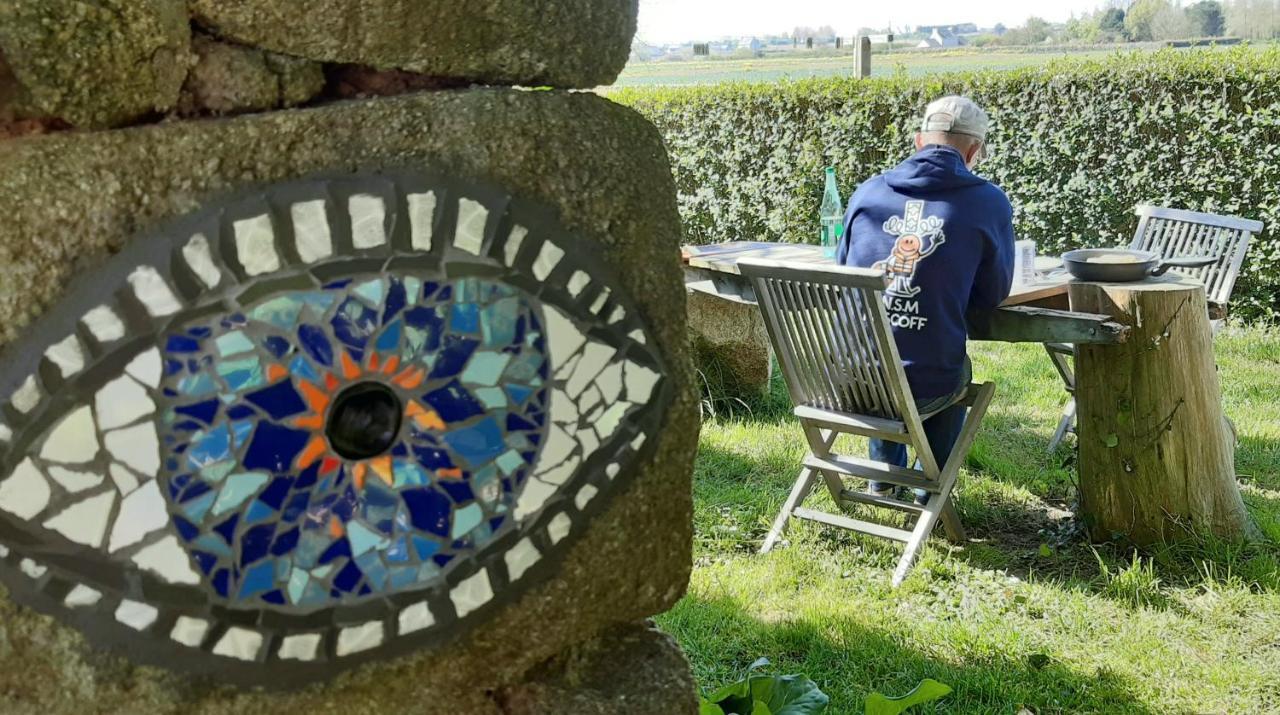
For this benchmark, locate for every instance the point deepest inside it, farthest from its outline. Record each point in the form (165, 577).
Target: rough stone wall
(73, 199)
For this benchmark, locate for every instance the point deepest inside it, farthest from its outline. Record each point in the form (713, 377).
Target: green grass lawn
(1027, 616)
(910, 62)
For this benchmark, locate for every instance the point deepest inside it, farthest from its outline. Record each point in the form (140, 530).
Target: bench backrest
(1172, 232)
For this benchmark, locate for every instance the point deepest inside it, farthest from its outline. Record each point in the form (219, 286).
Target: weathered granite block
(233, 79)
(560, 43)
(72, 200)
(731, 346)
(95, 64)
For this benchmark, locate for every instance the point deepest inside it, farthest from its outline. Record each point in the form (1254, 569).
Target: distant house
(751, 43)
(939, 38)
(881, 39)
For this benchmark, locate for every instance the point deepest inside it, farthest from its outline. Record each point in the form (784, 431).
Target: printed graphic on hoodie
(918, 238)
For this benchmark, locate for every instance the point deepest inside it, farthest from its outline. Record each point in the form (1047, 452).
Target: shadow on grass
(850, 661)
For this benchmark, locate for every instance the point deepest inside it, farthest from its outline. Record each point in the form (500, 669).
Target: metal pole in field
(862, 65)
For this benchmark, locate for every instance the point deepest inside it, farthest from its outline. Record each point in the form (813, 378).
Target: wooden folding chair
(1169, 233)
(831, 333)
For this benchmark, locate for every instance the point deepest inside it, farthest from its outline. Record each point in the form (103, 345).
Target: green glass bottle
(832, 216)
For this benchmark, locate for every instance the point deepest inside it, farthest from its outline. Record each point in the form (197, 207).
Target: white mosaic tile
(638, 336)
(27, 396)
(585, 495)
(4, 551)
(75, 481)
(84, 522)
(565, 371)
(146, 368)
(564, 337)
(472, 593)
(640, 382)
(638, 442)
(558, 475)
(559, 527)
(189, 631)
(514, 243)
(422, 218)
(6, 434)
(590, 398)
(32, 569)
(122, 402)
(601, 300)
(359, 638)
(138, 616)
(415, 618)
(311, 230)
(152, 291)
(141, 513)
(82, 596)
(124, 479)
(588, 439)
(548, 258)
(612, 471)
(136, 447)
(563, 409)
(368, 221)
(535, 495)
(520, 558)
(255, 245)
(74, 440)
(595, 358)
(25, 493)
(578, 282)
(618, 315)
(68, 355)
(556, 449)
(168, 560)
(607, 424)
(103, 323)
(473, 216)
(239, 643)
(300, 647)
(200, 259)
(609, 382)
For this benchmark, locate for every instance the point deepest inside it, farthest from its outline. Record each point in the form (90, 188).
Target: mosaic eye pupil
(364, 421)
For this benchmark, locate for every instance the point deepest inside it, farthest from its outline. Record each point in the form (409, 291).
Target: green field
(1027, 615)
(913, 63)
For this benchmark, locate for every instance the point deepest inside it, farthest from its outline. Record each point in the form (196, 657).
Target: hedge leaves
(1076, 144)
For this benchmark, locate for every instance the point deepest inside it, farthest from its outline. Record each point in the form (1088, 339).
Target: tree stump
(1157, 455)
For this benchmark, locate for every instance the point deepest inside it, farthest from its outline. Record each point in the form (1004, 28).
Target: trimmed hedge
(1076, 144)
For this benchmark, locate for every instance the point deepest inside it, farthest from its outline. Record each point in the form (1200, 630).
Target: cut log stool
(1157, 455)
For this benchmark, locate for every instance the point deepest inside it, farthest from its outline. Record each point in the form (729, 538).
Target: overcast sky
(663, 21)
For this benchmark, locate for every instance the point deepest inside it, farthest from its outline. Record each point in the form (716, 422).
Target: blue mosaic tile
(277, 515)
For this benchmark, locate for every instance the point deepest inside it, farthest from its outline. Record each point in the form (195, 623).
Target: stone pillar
(371, 405)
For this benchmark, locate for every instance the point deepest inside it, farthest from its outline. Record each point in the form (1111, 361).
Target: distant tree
(1208, 18)
(1112, 20)
(1172, 23)
(1137, 21)
(826, 32)
(1253, 19)
(1000, 29)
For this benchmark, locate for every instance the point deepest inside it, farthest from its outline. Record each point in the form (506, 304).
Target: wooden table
(729, 331)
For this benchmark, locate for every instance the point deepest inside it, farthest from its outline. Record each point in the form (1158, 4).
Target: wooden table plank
(724, 258)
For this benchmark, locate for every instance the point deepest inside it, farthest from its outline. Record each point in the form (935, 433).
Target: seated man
(945, 237)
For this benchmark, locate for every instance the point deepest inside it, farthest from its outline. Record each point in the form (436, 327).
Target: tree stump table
(1157, 455)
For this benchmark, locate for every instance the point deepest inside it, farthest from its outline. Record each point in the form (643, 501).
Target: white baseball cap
(956, 115)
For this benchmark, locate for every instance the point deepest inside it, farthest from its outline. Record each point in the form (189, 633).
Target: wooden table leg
(1156, 456)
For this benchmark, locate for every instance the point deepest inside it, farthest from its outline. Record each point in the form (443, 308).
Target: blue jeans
(942, 431)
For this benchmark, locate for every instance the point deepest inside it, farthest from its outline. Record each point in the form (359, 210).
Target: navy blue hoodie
(945, 236)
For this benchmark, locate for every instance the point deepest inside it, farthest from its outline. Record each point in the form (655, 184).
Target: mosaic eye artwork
(317, 425)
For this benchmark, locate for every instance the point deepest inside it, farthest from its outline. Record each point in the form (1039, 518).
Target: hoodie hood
(934, 168)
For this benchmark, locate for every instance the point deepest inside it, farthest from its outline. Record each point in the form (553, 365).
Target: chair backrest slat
(831, 332)
(1173, 232)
